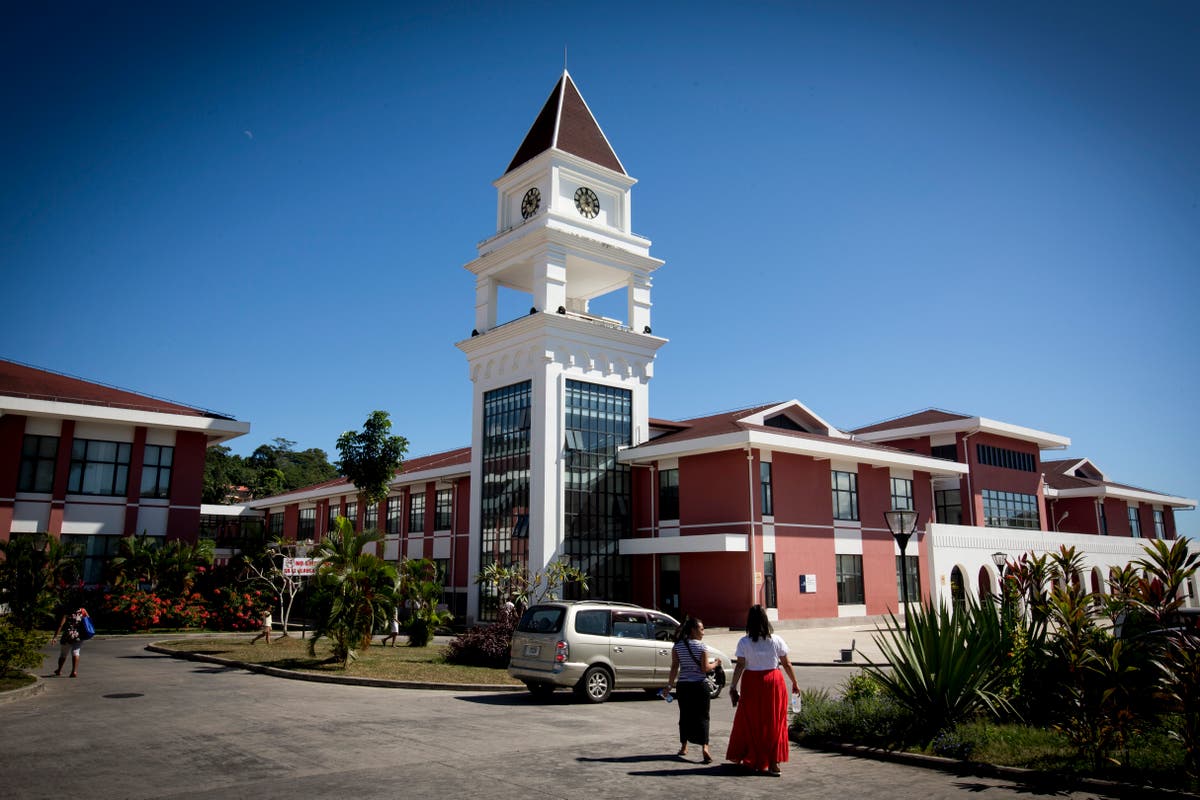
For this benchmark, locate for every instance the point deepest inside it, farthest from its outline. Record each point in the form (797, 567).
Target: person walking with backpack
(70, 634)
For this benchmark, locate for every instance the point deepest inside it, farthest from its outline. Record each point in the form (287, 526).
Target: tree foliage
(372, 457)
(517, 585)
(270, 469)
(35, 569)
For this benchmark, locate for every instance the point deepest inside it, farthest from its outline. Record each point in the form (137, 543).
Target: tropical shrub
(484, 645)
(421, 592)
(20, 648)
(35, 571)
(876, 721)
(353, 591)
(233, 610)
(942, 666)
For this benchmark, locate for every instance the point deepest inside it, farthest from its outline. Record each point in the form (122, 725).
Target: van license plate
(532, 649)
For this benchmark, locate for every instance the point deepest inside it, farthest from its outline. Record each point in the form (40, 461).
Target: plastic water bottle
(665, 694)
(796, 703)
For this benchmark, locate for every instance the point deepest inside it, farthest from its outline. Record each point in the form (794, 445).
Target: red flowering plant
(138, 610)
(134, 609)
(231, 610)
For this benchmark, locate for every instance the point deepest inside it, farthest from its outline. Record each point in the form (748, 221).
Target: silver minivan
(595, 647)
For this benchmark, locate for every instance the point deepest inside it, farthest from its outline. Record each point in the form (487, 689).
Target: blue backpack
(86, 629)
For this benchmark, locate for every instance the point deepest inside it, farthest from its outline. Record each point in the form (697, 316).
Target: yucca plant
(943, 666)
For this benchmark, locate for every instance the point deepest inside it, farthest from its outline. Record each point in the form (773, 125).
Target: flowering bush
(231, 610)
(135, 609)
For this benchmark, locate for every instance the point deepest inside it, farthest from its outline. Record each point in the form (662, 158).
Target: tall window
(769, 597)
(850, 581)
(352, 514)
(275, 525)
(845, 495)
(334, 511)
(505, 480)
(39, 454)
(443, 509)
(1135, 524)
(668, 494)
(308, 523)
(156, 471)
(902, 493)
(1103, 520)
(416, 513)
(1160, 526)
(597, 487)
(371, 517)
(768, 492)
(948, 506)
(914, 579)
(99, 467)
(1010, 510)
(395, 508)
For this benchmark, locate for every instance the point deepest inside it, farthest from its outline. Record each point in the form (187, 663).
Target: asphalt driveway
(141, 725)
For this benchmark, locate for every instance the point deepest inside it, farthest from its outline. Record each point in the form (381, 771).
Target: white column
(475, 536)
(485, 304)
(550, 280)
(639, 303)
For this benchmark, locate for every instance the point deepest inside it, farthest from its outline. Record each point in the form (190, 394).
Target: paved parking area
(141, 725)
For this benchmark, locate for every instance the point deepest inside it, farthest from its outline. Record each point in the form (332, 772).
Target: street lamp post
(902, 522)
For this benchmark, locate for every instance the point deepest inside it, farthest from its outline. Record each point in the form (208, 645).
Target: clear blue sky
(264, 209)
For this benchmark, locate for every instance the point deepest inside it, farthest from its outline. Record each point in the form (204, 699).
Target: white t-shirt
(763, 654)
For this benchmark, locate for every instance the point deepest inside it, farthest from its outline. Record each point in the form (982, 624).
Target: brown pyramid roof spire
(565, 122)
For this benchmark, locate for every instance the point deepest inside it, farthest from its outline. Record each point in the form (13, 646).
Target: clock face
(531, 203)
(586, 202)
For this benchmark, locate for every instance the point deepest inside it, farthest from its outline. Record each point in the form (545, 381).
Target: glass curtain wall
(599, 419)
(504, 522)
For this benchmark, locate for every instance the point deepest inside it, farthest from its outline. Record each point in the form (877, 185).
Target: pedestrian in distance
(393, 629)
(689, 663)
(759, 739)
(265, 632)
(70, 635)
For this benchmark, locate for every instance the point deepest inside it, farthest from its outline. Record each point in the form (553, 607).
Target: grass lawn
(402, 663)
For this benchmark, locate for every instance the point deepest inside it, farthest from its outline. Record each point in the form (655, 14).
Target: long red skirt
(760, 726)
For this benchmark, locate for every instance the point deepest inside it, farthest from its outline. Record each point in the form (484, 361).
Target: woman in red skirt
(760, 727)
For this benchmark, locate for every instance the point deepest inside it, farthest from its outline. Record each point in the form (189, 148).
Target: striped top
(691, 669)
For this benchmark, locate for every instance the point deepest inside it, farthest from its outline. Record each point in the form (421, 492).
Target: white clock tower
(559, 389)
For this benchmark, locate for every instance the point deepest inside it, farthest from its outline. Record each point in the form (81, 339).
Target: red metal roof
(24, 381)
(566, 123)
(460, 457)
(930, 416)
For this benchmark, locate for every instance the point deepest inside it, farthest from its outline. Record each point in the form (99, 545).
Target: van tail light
(561, 651)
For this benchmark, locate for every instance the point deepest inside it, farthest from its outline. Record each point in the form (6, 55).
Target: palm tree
(34, 569)
(353, 591)
(177, 565)
(136, 562)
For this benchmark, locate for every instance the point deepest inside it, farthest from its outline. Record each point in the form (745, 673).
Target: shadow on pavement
(563, 698)
(633, 759)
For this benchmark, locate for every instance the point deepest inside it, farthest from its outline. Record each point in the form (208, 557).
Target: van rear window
(542, 619)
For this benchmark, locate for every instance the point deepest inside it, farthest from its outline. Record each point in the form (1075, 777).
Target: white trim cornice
(1045, 441)
(1121, 493)
(218, 430)
(781, 442)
